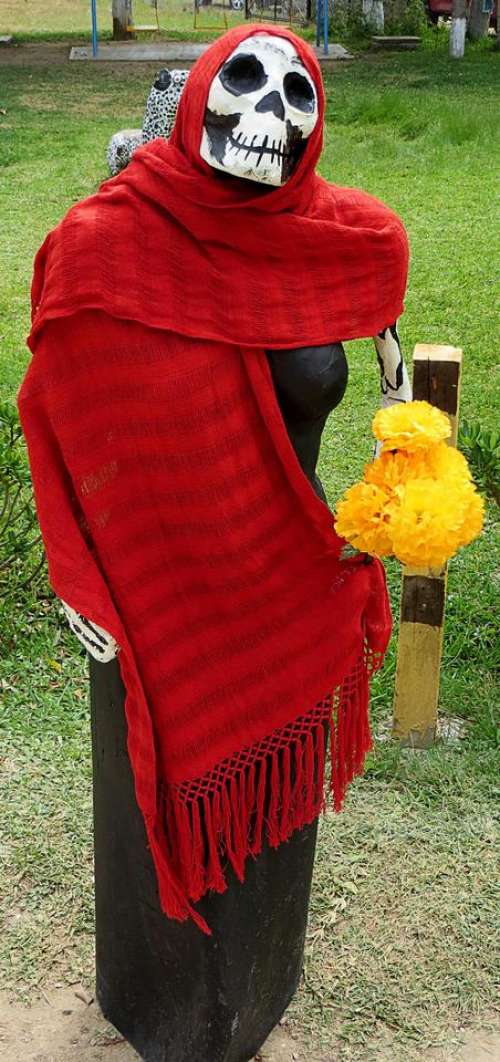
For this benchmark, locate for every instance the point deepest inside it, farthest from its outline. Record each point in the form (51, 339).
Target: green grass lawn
(400, 952)
(62, 19)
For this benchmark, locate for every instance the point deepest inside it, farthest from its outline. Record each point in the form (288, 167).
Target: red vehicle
(435, 8)
(444, 8)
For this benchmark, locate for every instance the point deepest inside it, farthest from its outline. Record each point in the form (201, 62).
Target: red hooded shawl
(173, 508)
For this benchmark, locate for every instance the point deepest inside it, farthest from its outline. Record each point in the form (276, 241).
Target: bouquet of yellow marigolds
(416, 501)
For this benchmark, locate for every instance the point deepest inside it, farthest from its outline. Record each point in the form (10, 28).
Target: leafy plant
(482, 450)
(348, 20)
(406, 18)
(21, 556)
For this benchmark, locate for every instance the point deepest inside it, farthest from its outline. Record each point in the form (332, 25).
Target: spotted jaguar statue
(159, 118)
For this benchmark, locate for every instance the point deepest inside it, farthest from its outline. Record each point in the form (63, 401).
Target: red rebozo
(173, 508)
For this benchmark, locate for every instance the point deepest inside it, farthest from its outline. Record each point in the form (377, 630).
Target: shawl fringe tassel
(266, 792)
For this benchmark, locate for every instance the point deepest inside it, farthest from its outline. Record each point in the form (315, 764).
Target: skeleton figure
(261, 108)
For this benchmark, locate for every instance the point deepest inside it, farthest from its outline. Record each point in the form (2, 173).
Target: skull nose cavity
(271, 102)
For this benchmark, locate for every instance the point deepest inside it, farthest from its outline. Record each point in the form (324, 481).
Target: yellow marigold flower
(410, 426)
(474, 518)
(445, 463)
(433, 520)
(362, 518)
(392, 469)
(416, 500)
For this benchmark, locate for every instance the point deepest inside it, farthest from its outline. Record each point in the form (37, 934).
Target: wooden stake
(436, 379)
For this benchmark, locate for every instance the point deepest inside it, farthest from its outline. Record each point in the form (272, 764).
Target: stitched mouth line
(260, 149)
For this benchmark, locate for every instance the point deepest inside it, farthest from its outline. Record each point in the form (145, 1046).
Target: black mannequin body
(176, 994)
(309, 383)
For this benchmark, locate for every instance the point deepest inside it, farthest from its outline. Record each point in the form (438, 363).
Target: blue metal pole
(318, 22)
(325, 26)
(94, 27)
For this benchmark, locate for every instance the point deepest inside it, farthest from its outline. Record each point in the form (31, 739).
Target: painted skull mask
(261, 108)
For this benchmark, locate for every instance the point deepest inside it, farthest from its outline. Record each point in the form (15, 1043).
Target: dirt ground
(65, 1025)
(51, 54)
(42, 54)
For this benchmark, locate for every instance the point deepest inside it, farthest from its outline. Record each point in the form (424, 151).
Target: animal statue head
(159, 118)
(262, 107)
(162, 104)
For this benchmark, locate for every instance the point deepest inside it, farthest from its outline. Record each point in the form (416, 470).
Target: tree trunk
(478, 21)
(373, 13)
(122, 19)
(458, 28)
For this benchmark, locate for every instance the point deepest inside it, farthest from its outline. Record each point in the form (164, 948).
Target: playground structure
(289, 12)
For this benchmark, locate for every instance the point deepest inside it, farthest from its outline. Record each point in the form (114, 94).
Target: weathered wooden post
(436, 379)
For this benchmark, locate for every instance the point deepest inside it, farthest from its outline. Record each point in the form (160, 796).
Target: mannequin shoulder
(353, 206)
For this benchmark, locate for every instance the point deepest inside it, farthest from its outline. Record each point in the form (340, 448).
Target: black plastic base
(174, 993)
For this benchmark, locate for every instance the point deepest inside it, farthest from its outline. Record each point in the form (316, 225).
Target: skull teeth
(250, 147)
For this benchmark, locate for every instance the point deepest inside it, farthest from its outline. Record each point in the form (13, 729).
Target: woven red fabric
(174, 511)
(174, 244)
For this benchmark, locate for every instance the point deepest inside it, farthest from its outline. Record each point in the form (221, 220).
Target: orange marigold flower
(410, 426)
(362, 518)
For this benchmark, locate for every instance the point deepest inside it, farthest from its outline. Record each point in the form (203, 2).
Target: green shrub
(348, 21)
(21, 555)
(405, 18)
(482, 450)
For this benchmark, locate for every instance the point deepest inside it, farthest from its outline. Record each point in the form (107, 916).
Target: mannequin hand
(94, 639)
(394, 381)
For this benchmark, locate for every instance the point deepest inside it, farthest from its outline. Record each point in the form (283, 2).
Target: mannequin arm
(394, 382)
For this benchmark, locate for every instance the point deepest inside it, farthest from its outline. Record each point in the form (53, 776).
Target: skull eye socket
(299, 92)
(243, 74)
